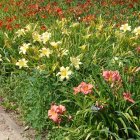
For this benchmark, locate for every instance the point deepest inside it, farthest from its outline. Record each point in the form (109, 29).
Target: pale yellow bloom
(20, 32)
(75, 24)
(1, 58)
(75, 61)
(65, 32)
(100, 27)
(55, 65)
(62, 52)
(41, 67)
(137, 30)
(28, 27)
(36, 37)
(56, 44)
(64, 73)
(45, 37)
(62, 23)
(125, 27)
(87, 36)
(22, 63)
(45, 52)
(24, 48)
(83, 47)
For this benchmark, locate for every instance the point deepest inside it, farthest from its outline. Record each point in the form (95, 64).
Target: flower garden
(71, 68)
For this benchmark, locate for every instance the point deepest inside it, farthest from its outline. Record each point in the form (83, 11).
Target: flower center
(64, 73)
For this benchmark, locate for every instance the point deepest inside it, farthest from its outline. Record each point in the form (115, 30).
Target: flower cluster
(126, 27)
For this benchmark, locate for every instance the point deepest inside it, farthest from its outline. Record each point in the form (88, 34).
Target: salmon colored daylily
(55, 113)
(111, 76)
(83, 88)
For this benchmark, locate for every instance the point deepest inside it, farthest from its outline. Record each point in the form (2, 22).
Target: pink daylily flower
(83, 88)
(86, 88)
(111, 76)
(127, 97)
(55, 113)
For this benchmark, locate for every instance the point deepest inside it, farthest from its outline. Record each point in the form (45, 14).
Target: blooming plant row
(75, 75)
(112, 10)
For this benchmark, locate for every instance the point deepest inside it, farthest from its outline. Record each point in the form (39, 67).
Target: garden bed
(71, 69)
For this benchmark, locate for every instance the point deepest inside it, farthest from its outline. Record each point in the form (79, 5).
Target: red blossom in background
(85, 11)
(5, 9)
(88, 18)
(68, 1)
(9, 27)
(43, 27)
(1, 23)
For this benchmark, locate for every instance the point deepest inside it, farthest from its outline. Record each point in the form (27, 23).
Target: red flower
(127, 97)
(43, 27)
(59, 11)
(17, 25)
(1, 23)
(89, 18)
(68, 1)
(43, 16)
(6, 9)
(9, 27)
(0, 5)
(131, 5)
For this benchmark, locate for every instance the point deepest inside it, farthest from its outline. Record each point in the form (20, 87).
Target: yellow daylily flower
(20, 32)
(36, 37)
(64, 73)
(45, 52)
(55, 44)
(125, 27)
(22, 63)
(24, 48)
(75, 61)
(45, 37)
(1, 58)
(137, 31)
